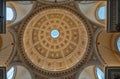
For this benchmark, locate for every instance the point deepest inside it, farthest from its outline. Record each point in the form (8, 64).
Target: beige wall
(88, 73)
(22, 73)
(105, 43)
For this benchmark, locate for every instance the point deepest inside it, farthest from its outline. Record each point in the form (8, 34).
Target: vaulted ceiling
(58, 39)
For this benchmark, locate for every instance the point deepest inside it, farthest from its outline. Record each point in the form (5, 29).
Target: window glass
(102, 13)
(118, 44)
(10, 73)
(9, 14)
(54, 33)
(99, 73)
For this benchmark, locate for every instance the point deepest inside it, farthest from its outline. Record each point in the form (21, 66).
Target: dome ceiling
(55, 39)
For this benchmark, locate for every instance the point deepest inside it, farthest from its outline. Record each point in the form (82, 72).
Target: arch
(19, 12)
(22, 73)
(89, 72)
(18, 72)
(105, 48)
(7, 47)
(90, 11)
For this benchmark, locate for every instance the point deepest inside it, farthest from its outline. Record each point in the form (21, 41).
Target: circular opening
(102, 13)
(118, 44)
(9, 14)
(100, 73)
(54, 33)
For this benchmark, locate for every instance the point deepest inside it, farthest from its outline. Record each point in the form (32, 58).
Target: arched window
(102, 13)
(9, 14)
(99, 73)
(118, 44)
(10, 73)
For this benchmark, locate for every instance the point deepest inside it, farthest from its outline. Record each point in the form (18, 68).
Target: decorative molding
(45, 73)
(55, 2)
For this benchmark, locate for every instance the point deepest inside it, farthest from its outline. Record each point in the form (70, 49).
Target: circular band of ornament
(55, 65)
(55, 1)
(55, 39)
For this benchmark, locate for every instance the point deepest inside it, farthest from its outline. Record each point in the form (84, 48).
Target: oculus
(54, 33)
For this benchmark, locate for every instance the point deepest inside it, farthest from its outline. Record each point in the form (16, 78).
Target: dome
(47, 51)
(55, 39)
(58, 39)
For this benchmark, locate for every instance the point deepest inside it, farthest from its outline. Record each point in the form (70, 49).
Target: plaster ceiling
(6, 47)
(22, 72)
(90, 10)
(55, 54)
(20, 9)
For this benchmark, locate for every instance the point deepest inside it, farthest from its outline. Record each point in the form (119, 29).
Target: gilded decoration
(55, 54)
(51, 56)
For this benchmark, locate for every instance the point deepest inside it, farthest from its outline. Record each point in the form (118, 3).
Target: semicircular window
(99, 73)
(9, 14)
(10, 73)
(102, 13)
(118, 44)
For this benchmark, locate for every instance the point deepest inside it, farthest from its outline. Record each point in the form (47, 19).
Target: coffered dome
(55, 39)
